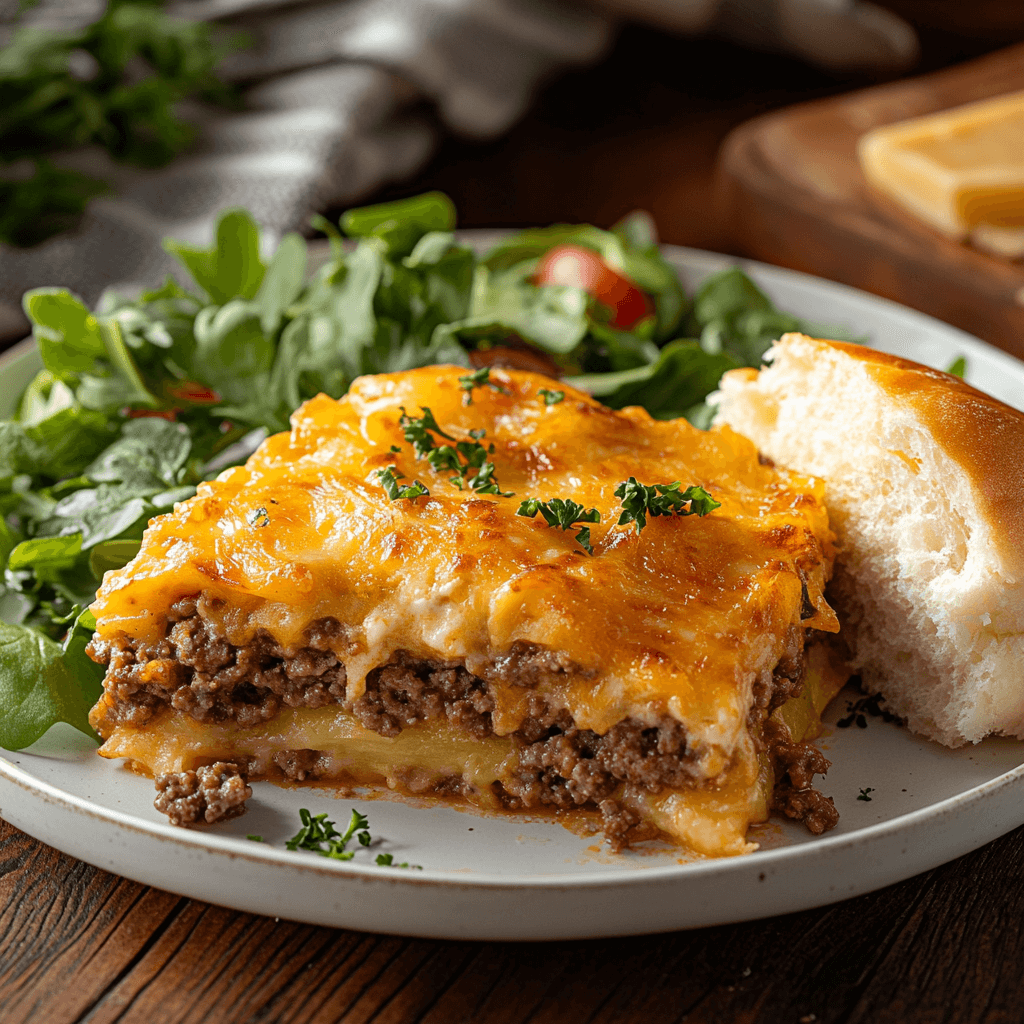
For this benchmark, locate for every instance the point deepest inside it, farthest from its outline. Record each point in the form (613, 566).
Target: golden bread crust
(983, 435)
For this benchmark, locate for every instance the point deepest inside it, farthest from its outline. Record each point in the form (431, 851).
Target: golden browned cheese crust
(683, 615)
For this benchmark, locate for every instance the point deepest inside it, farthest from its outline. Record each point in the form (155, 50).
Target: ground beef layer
(199, 673)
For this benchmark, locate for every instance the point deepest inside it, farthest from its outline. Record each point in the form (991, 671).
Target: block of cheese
(956, 169)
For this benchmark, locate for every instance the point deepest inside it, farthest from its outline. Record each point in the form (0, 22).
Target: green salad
(141, 399)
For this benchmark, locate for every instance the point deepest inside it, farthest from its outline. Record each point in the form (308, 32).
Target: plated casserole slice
(298, 618)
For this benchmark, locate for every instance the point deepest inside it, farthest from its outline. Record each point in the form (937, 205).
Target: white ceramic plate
(503, 878)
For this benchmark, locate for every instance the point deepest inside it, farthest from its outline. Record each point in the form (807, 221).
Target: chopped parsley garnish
(466, 460)
(319, 834)
(563, 513)
(387, 860)
(551, 397)
(259, 517)
(389, 481)
(479, 379)
(640, 501)
(958, 367)
(255, 839)
(863, 794)
(317, 831)
(417, 430)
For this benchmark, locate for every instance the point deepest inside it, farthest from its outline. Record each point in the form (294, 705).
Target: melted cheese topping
(679, 619)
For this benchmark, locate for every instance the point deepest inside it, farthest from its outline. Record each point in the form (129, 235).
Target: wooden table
(79, 944)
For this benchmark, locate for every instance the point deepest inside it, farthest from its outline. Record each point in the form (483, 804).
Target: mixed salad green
(116, 84)
(142, 398)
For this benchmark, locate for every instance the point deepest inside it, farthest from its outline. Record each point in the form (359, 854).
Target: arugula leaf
(232, 268)
(112, 554)
(8, 542)
(732, 315)
(679, 379)
(150, 455)
(55, 448)
(80, 667)
(232, 354)
(46, 555)
(554, 318)
(399, 225)
(38, 687)
(282, 283)
(80, 349)
(66, 332)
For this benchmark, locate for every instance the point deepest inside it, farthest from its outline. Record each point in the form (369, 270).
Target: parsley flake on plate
(387, 860)
(319, 835)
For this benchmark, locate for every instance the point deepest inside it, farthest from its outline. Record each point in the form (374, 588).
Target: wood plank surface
(793, 193)
(80, 944)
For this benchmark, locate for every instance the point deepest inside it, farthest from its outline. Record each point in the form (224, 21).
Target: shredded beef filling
(199, 673)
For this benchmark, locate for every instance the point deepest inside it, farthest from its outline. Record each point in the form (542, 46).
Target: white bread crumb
(929, 584)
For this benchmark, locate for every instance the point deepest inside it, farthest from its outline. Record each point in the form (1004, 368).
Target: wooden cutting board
(793, 194)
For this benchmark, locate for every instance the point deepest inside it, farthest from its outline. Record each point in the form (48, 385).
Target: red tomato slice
(577, 267)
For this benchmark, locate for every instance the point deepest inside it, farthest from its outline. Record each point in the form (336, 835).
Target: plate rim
(598, 879)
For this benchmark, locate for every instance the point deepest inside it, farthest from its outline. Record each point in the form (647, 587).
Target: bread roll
(925, 490)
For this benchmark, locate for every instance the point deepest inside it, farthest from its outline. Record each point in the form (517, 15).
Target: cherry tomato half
(577, 267)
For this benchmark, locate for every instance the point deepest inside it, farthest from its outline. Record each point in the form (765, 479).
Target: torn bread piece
(925, 490)
(347, 607)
